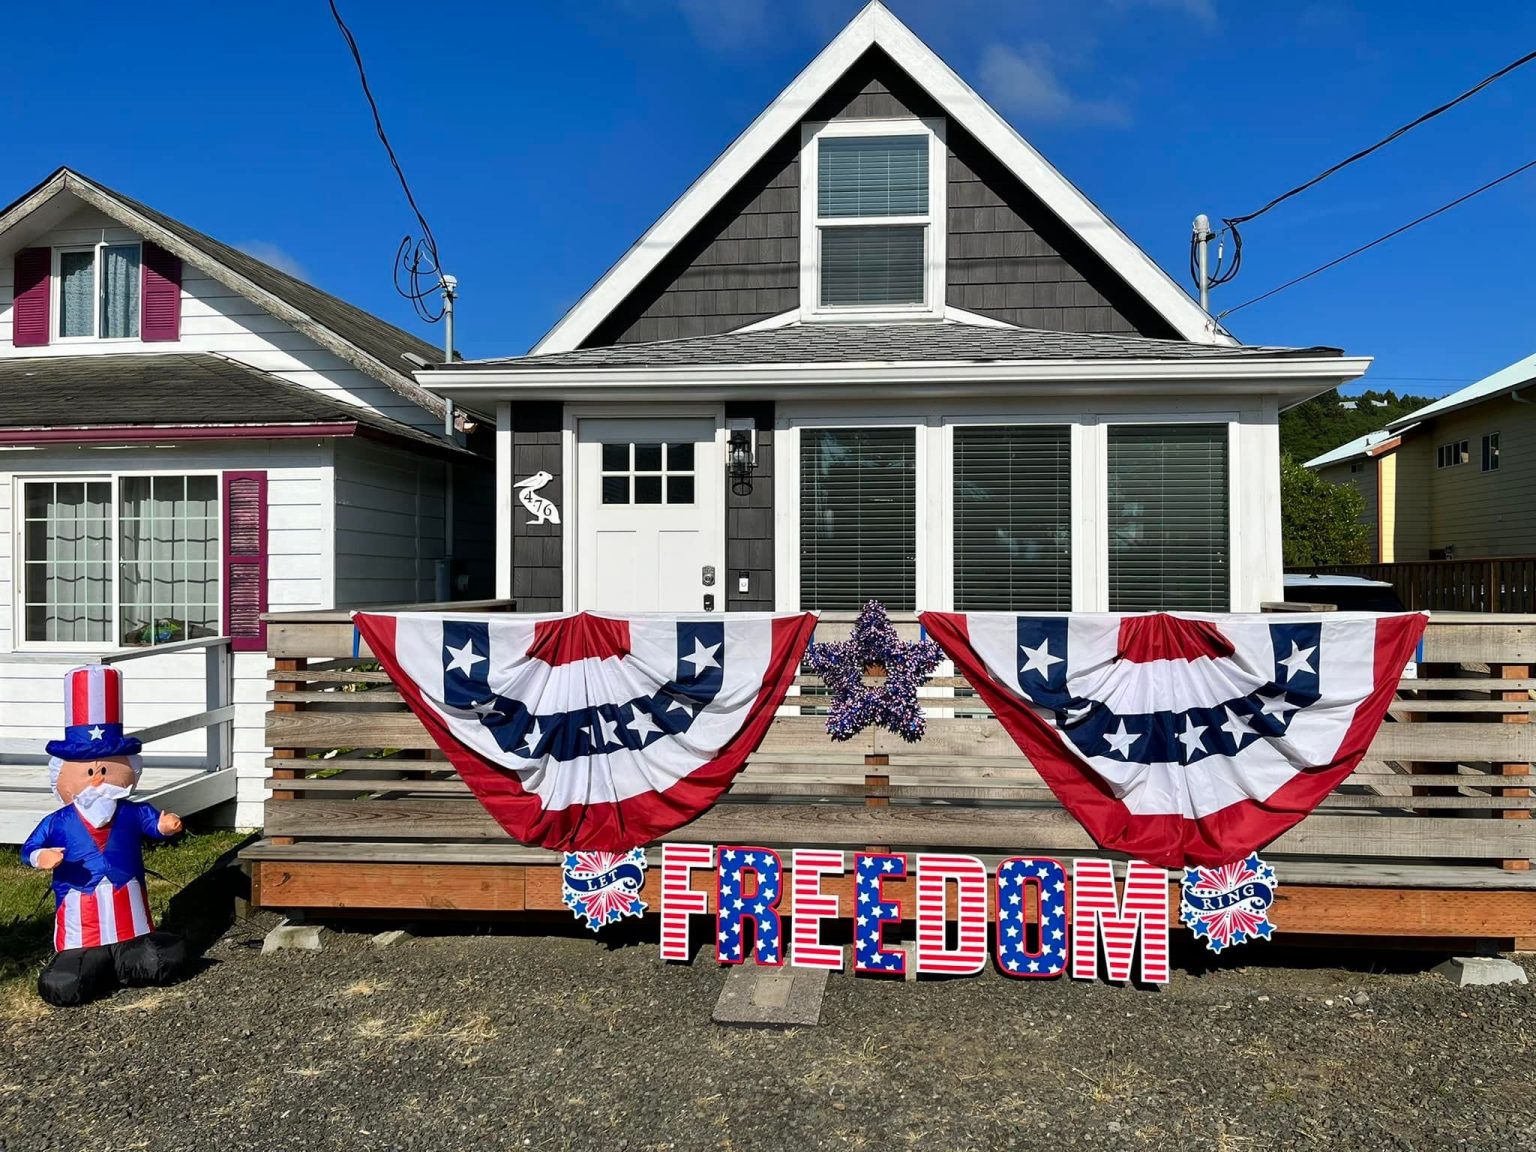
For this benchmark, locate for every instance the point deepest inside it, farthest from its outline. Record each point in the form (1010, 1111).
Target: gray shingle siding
(740, 265)
(1010, 257)
(749, 521)
(538, 580)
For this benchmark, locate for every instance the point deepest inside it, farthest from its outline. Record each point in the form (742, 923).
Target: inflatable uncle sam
(103, 935)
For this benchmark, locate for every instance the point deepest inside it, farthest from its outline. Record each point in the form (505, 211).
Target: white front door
(651, 535)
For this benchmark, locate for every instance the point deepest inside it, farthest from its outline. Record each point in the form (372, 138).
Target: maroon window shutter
(29, 310)
(245, 560)
(161, 295)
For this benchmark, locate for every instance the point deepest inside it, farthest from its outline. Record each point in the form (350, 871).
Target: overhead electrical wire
(1494, 183)
(1225, 272)
(416, 260)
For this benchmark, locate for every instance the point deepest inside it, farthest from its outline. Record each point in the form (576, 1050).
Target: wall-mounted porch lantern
(741, 454)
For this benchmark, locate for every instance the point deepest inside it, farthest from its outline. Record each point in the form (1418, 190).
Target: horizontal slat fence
(356, 777)
(1501, 584)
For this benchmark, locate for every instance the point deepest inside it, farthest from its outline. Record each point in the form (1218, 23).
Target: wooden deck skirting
(1429, 839)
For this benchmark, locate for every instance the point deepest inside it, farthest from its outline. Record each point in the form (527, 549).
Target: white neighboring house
(188, 438)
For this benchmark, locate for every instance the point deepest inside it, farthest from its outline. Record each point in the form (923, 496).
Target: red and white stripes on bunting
(934, 873)
(679, 899)
(811, 906)
(1143, 914)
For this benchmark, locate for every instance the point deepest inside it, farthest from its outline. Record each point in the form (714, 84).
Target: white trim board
(872, 27)
(1287, 377)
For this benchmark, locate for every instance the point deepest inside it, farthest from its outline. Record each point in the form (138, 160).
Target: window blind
(858, 517)
(872, 176)
(872, 264)
(1013, 519)
(1168, 530)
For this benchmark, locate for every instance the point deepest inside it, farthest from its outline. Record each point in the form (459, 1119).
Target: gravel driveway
(484, 1040)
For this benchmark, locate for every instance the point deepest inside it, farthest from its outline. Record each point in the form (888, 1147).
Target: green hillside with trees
(1313, 427)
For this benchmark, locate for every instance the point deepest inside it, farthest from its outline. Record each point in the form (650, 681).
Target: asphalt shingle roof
(382, 345)
(872, 343)
(381, 340)
(172, 389)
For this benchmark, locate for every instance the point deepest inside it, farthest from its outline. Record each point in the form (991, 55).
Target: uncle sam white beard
(98, 803)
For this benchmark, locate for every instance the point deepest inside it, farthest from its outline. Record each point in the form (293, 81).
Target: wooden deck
(1430, 839)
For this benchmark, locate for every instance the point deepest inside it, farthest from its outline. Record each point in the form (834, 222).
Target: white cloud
(1024, 83)
(269, 253)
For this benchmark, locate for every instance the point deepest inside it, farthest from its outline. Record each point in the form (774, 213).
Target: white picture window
(1169, 539)
(97, 292)
(130, 560)
(858, 517)
(872, 237)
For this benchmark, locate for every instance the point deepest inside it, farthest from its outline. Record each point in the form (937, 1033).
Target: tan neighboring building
(1454, 480)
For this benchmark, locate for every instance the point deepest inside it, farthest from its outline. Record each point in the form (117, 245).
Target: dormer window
(97, 292)
(872, 220)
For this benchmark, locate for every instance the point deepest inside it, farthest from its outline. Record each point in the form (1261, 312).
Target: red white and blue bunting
(1184, 739)
(592, 732)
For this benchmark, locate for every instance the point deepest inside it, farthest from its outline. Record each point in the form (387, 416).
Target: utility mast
(1203, 238)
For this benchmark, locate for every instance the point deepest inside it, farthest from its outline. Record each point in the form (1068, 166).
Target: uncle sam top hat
(93, 716)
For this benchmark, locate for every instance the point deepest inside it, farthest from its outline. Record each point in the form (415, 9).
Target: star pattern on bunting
(1299, 662)
(464, 658)
(1039, 659)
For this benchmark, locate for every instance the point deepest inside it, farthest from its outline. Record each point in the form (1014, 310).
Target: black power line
(415, 260)
(1510, 175)
(1229, 224)
(1232, 221)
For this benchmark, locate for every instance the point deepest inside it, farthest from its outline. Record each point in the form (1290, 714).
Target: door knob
(709, 603)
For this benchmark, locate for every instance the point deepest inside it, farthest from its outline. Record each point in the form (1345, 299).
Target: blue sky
(542, 139)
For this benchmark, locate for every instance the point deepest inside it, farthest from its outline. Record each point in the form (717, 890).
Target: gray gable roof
(358, 337)
(205, 390)
(888, 343)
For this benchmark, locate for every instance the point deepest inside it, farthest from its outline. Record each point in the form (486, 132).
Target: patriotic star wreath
(892, 704)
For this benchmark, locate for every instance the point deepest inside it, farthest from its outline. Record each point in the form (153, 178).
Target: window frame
(19, 480)
(1491, 452)
(56, 293)
(1230, 421)
(1455, 454)
(786, 496)
(1081, 489)
(934, 223)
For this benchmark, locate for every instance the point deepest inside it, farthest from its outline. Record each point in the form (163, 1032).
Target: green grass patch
(26, 904)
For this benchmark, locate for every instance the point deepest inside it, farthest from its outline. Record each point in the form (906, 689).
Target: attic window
(871, 237)
(98, 292)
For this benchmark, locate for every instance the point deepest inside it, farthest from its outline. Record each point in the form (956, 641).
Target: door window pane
(858, 517)
(1013, 519)
(1168, 526)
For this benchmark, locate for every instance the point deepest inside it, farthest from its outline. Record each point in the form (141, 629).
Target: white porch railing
(216, 717)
